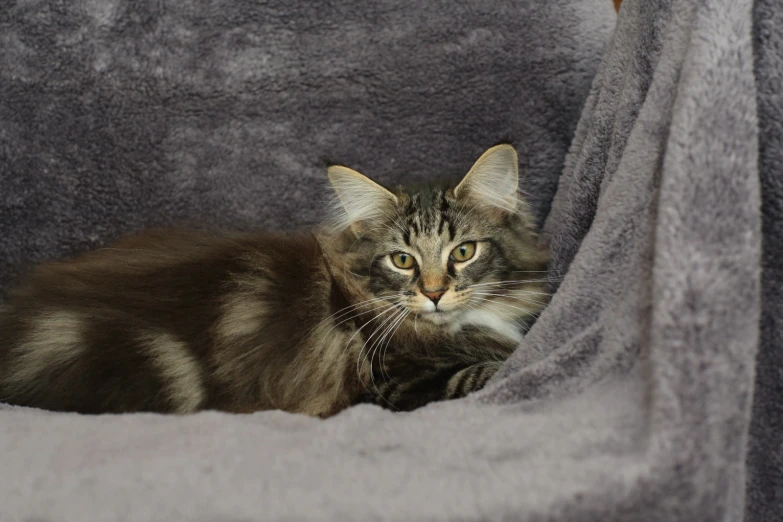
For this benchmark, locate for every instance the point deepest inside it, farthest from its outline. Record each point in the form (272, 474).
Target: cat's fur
(180, 321)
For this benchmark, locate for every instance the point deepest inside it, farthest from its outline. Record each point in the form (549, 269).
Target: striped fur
(180, 321)
(179, 371)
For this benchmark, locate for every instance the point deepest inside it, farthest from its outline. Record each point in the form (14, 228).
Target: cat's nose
(434, 295)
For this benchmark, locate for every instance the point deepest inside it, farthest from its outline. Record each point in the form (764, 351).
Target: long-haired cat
(402, 297)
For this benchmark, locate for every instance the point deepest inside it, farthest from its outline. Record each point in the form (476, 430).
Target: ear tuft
(493, 180)
(359, 199)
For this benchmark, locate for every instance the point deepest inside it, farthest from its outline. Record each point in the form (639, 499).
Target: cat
(400, 298)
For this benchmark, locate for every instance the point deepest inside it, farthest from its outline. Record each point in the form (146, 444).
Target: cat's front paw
(471, 379)
(435, 385)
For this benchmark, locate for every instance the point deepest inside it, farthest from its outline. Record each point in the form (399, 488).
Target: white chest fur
(503, 325)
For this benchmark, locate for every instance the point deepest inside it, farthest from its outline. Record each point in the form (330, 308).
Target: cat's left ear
(493, 180)
(360, 201)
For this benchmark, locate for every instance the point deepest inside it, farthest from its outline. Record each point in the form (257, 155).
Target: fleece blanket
(648, 390)
(765, 448)
(116, 115)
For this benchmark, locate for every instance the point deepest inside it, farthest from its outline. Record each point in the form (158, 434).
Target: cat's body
(179, 321)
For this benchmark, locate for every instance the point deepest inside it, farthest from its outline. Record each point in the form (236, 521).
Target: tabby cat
(402, 297)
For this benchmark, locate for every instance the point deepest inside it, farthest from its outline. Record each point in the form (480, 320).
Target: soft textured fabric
(116, 115)
(765, 451)
(632, 398)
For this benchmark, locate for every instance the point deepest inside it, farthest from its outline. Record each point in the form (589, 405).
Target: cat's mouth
(438, 316)
(440, 311)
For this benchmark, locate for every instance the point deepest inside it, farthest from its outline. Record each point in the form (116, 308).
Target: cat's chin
(439, 317)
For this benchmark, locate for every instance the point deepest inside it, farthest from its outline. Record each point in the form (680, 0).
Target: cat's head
(443, 251)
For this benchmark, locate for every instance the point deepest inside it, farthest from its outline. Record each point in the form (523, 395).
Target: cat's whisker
(362, 350)
(509, 292)
(384, 349)
(516, 298)
(416, 326)
(549, 275)
(350, 309)
(372, 355)
(493, 301)
(534, 292)
(383, 329)
(361, 356)
(525, 326)
(512, 292)
(351, 318)
(379, 341)
(509, 282)
(347, 309)
(375, 318)
(539, 304)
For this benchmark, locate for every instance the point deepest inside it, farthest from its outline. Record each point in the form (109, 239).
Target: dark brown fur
(175, 282)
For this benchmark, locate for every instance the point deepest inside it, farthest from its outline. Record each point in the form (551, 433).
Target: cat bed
(648, 390)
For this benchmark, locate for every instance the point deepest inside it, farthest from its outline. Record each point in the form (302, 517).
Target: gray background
(115, 115)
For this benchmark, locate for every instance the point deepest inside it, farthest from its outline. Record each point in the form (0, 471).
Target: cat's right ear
(493, 180)
(360, 201)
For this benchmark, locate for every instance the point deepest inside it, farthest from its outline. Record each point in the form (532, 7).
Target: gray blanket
(633, 396)
(765, 445)
(116, 115)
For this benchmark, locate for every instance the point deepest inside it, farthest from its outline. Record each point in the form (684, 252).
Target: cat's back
(107, 330)
(155, 270)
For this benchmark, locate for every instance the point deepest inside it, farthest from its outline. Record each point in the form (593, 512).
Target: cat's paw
(471, 379)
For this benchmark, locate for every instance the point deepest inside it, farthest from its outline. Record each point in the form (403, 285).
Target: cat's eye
(403, 260)
(463, 252)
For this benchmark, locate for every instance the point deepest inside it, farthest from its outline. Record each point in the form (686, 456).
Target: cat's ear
(359, 199)
(493, 180)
